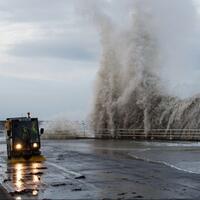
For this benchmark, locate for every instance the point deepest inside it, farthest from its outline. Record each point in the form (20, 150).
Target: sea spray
(62, 128)
(131, 91)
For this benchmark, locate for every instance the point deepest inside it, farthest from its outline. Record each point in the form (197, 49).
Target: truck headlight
(18, 146)
(35, 145)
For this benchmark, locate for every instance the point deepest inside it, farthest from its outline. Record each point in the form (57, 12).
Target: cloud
(48, 69)
(28, 28)
(31, 37)
(44, 99)
(48, 58)
(51, 49)
(36, 10)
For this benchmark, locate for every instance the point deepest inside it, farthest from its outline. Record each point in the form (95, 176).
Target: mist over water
(148, 47)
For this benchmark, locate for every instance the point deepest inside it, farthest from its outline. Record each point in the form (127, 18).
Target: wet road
(4, 195)
(95, 169)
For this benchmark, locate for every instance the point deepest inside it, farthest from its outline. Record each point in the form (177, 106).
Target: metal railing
(130, 134)
(153, 134)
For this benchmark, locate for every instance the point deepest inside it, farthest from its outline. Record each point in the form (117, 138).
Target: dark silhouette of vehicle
(23, 137)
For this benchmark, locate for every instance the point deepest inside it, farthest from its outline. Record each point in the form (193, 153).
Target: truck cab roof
(21, 119)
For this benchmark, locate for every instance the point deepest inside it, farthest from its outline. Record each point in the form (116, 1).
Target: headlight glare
(35, 145)
(18, 146)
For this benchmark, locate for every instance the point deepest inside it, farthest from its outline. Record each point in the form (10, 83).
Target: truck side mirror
(41, 131)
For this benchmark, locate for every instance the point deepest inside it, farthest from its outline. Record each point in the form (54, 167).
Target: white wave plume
(142, 41)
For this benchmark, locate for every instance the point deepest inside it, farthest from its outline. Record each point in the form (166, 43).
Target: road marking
(8, 187)
(71, 173)
(64, 169)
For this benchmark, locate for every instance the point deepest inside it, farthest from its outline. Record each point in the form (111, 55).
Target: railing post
(134, 134)
(152, 137)
(170, 134)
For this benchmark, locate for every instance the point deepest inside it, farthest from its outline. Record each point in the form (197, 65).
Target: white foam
(194, 171)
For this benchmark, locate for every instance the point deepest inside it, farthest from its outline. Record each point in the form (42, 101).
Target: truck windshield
(26, 131)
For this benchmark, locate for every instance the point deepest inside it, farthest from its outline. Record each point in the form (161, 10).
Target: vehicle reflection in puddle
(25, 179)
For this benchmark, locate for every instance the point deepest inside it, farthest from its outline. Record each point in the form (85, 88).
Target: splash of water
(61, 128)
(131, 91)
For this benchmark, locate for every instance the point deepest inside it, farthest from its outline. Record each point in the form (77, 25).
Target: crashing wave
(130, 93)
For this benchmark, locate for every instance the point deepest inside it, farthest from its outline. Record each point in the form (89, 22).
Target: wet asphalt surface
(100, 169)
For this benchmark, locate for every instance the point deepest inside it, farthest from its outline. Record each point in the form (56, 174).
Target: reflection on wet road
(23, 179)
(95, 169)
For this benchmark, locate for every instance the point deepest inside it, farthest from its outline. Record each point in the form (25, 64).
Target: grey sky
(49, 56)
